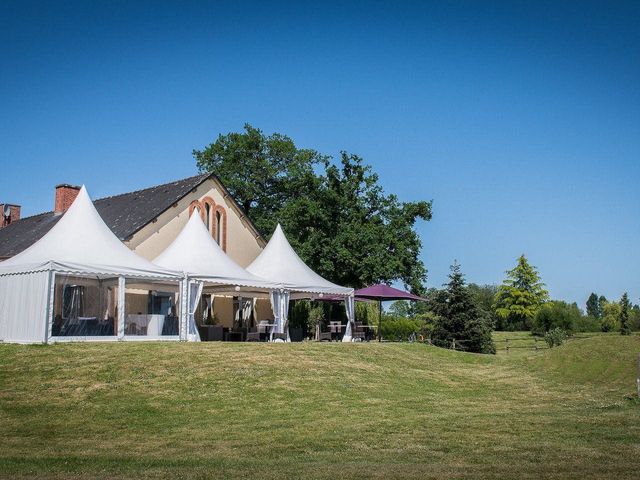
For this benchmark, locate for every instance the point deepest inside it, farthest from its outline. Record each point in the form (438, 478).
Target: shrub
(399, 328)
(316, 317)
(555, 337)
(587, 324)
(556, 314)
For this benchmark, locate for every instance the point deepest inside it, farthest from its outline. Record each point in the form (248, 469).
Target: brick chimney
(65, 195)
(14, 214)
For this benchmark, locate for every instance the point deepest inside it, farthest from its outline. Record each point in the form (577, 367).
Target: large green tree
(520, 296)
(335, 214)
(625, 307)
(459, 318)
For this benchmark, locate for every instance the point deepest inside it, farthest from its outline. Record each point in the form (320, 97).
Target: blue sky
(521, 120)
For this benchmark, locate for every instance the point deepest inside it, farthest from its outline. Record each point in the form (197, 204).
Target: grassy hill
(166, 410)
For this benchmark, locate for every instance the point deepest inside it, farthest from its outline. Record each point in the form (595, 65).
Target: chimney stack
(12, 211)
(65, 195)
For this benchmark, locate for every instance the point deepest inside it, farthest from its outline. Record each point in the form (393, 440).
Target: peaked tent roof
(280, 263)
(197, 254)
(80, 242)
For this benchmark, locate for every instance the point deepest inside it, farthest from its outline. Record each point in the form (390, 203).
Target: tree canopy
(336, 215)
(520, 296)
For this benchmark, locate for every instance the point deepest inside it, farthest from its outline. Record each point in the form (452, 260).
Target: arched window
(218, 227)
(207, 216)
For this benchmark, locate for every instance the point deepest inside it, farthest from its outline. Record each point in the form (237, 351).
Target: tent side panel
(23, 307)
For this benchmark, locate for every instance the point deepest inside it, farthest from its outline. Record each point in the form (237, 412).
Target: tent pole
(379, 320)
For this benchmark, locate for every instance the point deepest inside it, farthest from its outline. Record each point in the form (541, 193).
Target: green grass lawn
(223, 410)
(524, 343)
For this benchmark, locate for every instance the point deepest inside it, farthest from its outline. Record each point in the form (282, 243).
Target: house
(148, 220)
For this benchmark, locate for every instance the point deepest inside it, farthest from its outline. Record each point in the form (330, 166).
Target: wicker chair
(324, 336)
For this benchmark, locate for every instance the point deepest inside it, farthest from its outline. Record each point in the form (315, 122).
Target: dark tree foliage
(557, 314)
(594, 309)
(634, 317)
(484, 296)
(336, 216)
(459, 317)
(625, 307)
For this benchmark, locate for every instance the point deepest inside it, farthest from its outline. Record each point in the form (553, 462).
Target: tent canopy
(197, 254)
(279, 263)
(82, 243)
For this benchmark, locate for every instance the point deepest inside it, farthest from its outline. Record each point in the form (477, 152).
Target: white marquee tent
(82, 245)
(197, 254)
(279, 263)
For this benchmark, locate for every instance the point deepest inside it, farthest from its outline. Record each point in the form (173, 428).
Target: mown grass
(215, 410)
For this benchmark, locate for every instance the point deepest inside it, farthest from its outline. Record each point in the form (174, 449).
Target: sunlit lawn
(318, 411)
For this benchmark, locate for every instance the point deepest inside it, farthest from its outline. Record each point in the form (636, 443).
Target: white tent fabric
(23, 307)
(82, 243)
(349, 305)
(79, 243)
(195, 290)
(284, 298)
(276, 307)
(197, 254)
(280, 306)
(279, 263)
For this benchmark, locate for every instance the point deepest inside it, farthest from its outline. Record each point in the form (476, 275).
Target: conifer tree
(520, 296)
(593, 307)
(460, 318)
(625, 306)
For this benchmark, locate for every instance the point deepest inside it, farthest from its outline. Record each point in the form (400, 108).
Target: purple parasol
(383, 292)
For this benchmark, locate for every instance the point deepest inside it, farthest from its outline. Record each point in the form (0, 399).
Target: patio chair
(324, 336)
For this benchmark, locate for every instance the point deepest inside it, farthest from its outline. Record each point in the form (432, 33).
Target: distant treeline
(465, 312)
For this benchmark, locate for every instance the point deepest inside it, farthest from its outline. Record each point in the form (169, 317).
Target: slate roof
(125, 214)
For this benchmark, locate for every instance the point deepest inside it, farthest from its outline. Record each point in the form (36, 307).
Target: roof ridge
(203, 175)
(127, 193)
